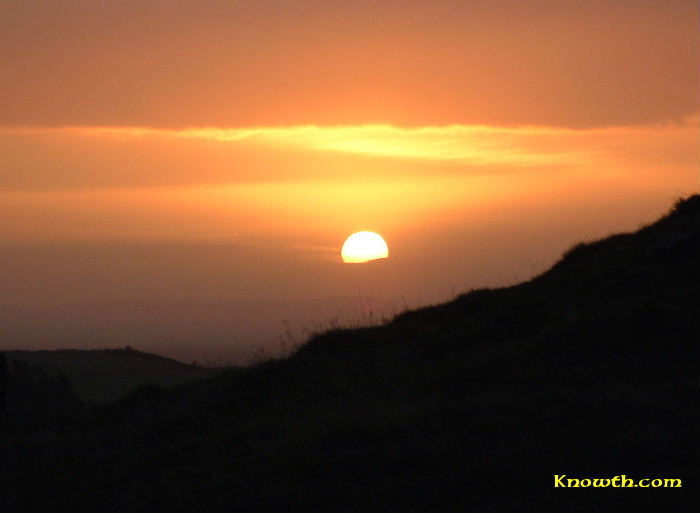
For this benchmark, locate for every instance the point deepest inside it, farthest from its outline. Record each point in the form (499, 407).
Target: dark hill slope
(589, 370)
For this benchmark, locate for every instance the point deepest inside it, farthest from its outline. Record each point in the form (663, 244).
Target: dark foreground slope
(590, 370)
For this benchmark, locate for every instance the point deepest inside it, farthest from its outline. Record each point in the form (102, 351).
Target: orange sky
(261, 62)
(222, 151)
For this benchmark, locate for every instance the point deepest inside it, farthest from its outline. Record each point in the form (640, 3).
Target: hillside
(105, 375)
(589, 370)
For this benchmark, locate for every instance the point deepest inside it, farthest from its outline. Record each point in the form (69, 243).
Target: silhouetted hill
(589, 370)
(106, 375)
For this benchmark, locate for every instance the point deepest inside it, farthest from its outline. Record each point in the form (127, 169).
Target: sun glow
(362, 247)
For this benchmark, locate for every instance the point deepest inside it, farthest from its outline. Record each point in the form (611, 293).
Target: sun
(362, 247)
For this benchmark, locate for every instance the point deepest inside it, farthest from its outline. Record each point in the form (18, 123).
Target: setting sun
(362, 247)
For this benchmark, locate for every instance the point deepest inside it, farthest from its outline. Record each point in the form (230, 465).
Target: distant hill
(105, 375)
(589, 370)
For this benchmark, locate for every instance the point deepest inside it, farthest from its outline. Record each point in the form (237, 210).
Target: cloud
(116, 183)
(82, 158)
(407, 63)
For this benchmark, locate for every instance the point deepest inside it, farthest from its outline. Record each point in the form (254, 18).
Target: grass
(590, 370)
